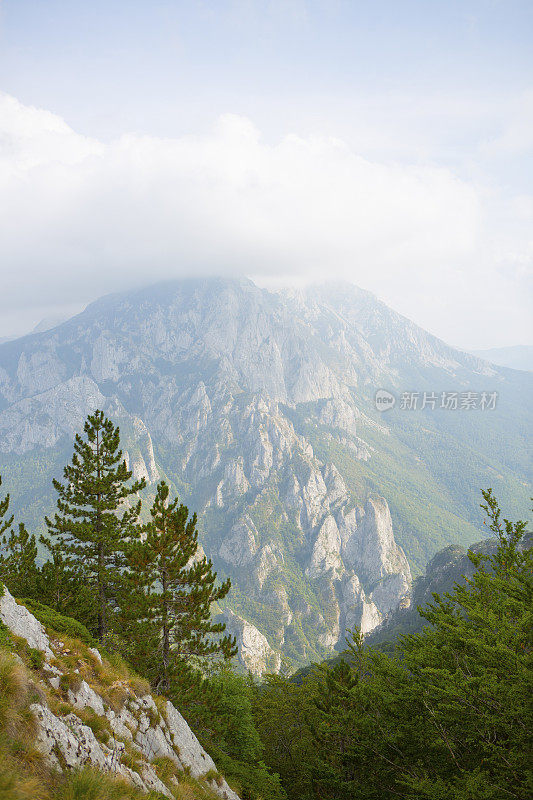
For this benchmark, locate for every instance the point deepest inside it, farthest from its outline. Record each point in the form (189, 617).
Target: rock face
(258, 407)
(68, 743)
(449, 567)
(19, 620)
(255, 653)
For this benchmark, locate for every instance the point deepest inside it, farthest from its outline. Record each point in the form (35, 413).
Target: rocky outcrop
(447, 569)
(255, 653)
(19, 620)
(67, 742)
(240, 546)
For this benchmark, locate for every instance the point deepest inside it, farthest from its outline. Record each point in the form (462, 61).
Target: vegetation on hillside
(442, 714)
(24, 772)
(447, 715)
(143, 591)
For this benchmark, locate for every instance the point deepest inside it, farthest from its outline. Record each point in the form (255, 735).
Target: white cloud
(79, 217)
(516, 134)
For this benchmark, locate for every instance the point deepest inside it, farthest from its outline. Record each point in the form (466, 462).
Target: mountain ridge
(258, 407)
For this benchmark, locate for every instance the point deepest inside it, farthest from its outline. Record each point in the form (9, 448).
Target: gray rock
(154, 744)
(86, 697)
(19, 620)
(191, 752)
(255, 653)
(96, 654)
(240, 547)
(326, 556)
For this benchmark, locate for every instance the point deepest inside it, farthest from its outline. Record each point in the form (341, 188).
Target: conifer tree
(18, 568)
(449, 715)
(18, 553)
(177, 590)
(5, 524)
(64, 589)
(95, 519)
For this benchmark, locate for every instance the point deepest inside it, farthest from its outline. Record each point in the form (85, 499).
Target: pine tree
(94, 519)
(64, 589)
(18, 568)
(5, 524)
(176, 591)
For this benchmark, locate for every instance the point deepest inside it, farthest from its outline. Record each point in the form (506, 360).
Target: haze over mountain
(518, 357)
(258, 407)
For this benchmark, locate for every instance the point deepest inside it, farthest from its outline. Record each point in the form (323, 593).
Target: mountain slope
(87, 713)
(259, 408)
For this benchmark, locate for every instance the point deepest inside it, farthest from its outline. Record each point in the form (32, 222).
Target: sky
(385, 143)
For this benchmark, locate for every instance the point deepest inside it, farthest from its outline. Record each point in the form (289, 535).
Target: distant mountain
(449, 567)
(518, 357)
(47, 323)
(259, 408)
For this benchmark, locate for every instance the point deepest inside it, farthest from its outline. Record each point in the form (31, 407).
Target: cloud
(80, 217)
(516, 134)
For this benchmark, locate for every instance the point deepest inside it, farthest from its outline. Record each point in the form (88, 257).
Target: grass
(213, 775)
(116, 696)
(70, 681)
(189, 788)
(88, 784)
(24, 772)
(100, 726)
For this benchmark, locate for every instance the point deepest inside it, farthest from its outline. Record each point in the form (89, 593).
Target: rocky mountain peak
(258, 407)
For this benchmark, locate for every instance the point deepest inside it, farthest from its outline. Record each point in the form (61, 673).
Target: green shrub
(6, 640)
(58, 622)
(36, 658)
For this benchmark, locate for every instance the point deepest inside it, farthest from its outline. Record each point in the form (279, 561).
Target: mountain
(47, 323)
(447, 568)
(259, 408)
(518, 357)
(92, 716)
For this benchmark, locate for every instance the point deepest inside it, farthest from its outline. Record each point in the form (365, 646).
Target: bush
(58, 622)
(36, 658)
